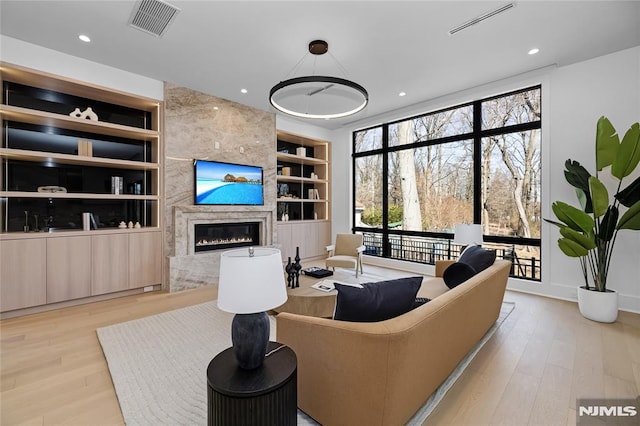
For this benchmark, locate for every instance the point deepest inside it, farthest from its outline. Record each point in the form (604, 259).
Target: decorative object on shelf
(297, 266)
(286, 217)
(286, 171)
(250, 283)
(25, 228)
(291, 272)
(130, 225)
(76, 113)
(467, 234)
(325, 97)
(86, 221)
(122, 225)
(301, 151)
(85, 148)
(314, 176)
(315, 215)
(117, 185)
(89, 114)
(137, 225)
(52, 188)
(589, 232)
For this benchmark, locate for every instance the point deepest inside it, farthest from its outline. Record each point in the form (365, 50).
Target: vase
(597, 305)
(89, 114)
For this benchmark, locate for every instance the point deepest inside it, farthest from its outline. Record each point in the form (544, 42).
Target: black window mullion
(386, 247)
(477, 162)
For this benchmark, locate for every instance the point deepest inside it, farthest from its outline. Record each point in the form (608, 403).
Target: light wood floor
(540, 360)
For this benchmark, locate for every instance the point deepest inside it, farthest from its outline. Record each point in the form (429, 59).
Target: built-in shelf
(49, 157)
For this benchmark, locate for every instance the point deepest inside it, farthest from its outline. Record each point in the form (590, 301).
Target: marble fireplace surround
(188, 269)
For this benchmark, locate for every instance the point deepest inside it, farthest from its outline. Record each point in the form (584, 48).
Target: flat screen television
(218, 183)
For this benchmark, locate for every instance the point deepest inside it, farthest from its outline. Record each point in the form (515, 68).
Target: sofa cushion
(376, 301)
(478, 258)
(457, 273)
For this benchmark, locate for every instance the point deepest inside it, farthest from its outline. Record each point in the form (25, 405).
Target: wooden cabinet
(311, 237)
(23, 274)
(110, 260)
(69, 264)
(304, 196)
(145, 261)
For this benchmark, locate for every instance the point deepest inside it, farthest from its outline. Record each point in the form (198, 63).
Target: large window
(415, 179)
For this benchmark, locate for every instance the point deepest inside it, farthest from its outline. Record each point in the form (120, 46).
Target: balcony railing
(525, 260)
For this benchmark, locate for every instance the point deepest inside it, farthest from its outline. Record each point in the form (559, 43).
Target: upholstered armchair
(346, 252)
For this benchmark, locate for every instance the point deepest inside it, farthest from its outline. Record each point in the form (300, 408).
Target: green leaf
(571, 248)
(578, 177)
(599, 196)
(628, 155)
(631, 218)
(608, 224)
(575, 218)
(630, 195)
(607, 143)
(577, 237)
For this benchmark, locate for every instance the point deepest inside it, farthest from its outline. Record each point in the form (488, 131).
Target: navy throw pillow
(478, 258)
(457, 273)
(377, 301)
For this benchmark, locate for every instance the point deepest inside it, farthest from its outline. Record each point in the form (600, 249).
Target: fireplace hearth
(218, 236)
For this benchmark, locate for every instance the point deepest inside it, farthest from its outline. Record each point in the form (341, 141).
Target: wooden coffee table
(305, 300)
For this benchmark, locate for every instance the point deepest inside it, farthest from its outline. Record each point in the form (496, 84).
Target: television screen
(219, 183)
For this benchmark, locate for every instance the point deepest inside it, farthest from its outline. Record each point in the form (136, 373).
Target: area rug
(158, 364)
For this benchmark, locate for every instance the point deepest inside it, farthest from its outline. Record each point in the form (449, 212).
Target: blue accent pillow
(457, 273)
(377, 301)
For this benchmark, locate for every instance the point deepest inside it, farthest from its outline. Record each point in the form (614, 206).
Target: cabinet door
(323, 237)
(284, 239)
(68, 268)
(23, 279)
(145, 259)
(110, 263)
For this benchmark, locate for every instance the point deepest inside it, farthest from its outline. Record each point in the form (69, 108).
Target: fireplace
(218, 236)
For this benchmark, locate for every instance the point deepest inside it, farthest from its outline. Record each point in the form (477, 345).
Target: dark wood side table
(267, 395)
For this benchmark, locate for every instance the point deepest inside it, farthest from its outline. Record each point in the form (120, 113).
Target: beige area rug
(158, 364)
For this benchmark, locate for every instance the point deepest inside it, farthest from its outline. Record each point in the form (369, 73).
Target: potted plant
(589, 232)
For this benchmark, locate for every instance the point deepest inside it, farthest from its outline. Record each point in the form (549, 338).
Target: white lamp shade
(468, 234)
(251, 284)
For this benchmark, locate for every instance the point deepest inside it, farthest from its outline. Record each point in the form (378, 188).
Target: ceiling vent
(481, 18)
(152, 16)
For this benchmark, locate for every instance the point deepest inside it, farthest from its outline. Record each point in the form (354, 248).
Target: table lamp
(468, 234)
(251, 282)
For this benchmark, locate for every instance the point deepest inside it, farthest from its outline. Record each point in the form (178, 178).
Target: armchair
(346, 252)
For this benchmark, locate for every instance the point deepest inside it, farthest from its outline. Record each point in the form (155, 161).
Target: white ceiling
(220, 47)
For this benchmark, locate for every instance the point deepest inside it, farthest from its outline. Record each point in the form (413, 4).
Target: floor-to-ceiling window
(480, 162)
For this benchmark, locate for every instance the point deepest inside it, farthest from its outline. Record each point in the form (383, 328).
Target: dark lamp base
(250, 335)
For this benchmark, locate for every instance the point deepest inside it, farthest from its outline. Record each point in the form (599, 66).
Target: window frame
(476, 135)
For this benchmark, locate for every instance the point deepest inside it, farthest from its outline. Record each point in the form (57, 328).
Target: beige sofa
(381, 373)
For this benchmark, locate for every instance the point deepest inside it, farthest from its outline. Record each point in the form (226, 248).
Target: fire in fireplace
(217, 236)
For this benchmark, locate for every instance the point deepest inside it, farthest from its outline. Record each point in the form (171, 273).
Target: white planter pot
(598, 306)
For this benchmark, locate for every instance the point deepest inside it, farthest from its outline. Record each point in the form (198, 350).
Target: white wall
(573, 98)
(29, 55)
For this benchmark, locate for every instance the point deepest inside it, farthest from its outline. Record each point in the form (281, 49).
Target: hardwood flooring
(543, 357)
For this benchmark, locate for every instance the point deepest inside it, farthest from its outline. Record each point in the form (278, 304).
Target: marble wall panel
(201, 126)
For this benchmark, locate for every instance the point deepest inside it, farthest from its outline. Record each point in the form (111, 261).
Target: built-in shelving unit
(55, 166)
(304, 195)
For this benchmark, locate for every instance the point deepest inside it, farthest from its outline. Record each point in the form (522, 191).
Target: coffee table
(306, 300)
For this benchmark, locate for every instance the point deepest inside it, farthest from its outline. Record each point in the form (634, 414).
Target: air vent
(481, 18)
(153, 16)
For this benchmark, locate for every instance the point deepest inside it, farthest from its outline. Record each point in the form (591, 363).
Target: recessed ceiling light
(533, 51)
(84, 38)
(402, 94)
(243, 90)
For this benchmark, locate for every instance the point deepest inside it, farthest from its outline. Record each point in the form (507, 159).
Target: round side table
(267, 395)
